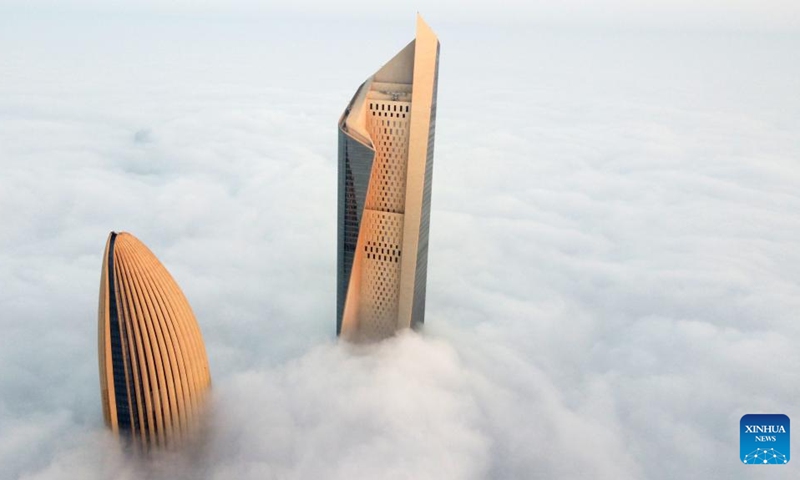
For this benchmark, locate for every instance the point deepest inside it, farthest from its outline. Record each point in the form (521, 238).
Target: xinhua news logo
(764, 439)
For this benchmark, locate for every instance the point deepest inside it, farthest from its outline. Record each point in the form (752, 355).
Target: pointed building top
(424, 30)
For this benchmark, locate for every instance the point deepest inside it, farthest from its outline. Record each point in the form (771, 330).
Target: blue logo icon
(764, 439)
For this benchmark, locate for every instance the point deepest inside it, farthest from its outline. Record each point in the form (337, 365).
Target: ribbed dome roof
(154, 371)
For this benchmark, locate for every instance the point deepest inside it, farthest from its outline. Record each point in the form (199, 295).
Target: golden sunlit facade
(154, 374)
(385, 172)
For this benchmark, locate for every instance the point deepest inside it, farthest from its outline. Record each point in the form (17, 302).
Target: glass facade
(355, 165)
(117, 358)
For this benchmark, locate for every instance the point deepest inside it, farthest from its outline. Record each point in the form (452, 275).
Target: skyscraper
(385, 171)
(153, 368)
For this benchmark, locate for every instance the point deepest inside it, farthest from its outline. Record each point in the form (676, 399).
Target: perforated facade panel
(383, 233)
(387, 122)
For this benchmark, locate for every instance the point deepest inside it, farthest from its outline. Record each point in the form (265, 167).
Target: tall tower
(153, 368)
(385, 171)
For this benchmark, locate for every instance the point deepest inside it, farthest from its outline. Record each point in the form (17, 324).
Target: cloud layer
(614, 271)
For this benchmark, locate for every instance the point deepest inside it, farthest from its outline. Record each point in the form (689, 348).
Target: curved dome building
(154, 374)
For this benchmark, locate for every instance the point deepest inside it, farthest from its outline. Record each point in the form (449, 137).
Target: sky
(614, 270)
(666, 14)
